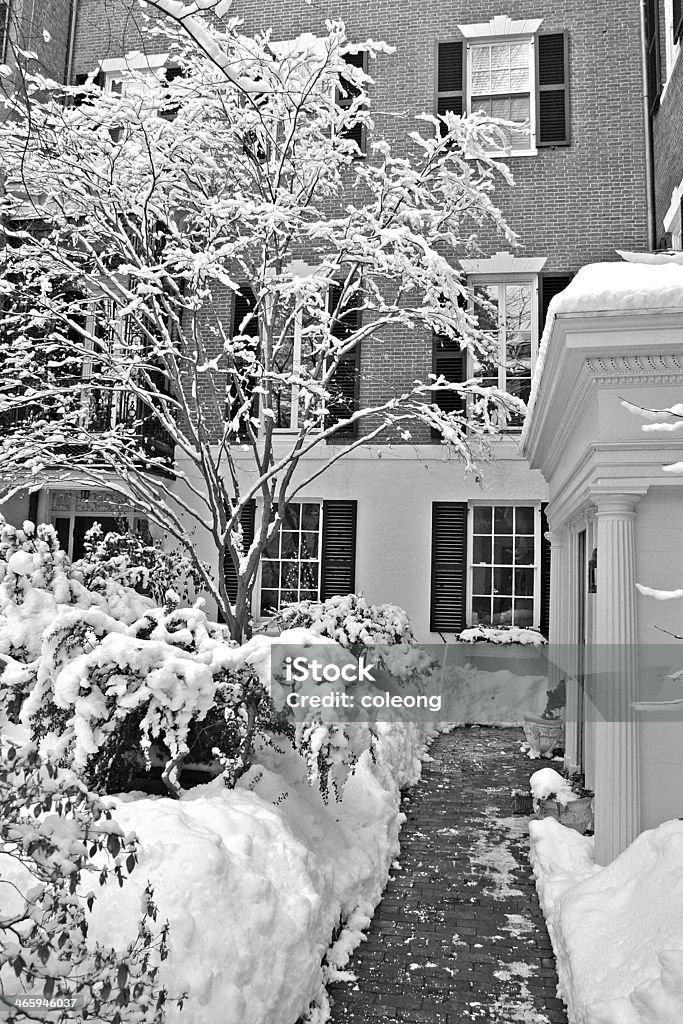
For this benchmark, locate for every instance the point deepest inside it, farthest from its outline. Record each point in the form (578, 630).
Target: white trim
(501, 25)
(505, 263)
(672, 217)
(672, 49)
(133, 61)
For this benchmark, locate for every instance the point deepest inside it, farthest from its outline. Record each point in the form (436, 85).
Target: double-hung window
(504, 567)
(290, 569)
(507, 310)
(500, 84)
(509, 71)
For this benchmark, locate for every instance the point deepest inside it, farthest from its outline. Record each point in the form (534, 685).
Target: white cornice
(504, 263)
(501, 25)
(133, 61)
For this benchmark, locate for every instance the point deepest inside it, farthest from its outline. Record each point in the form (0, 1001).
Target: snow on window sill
(528, 636)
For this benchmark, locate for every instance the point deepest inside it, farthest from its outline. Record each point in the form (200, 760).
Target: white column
(617, 800)
(570, 639)
(559, 608)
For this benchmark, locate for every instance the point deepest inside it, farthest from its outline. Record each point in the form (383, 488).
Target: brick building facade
(411, 529)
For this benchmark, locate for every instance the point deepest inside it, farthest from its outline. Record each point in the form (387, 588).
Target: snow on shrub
(350, 620)
(59, 847)
(136, 562)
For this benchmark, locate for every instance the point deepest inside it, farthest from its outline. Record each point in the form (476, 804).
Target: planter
(577, 814)
(544, 735)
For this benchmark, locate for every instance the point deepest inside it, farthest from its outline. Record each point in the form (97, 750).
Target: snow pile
(254, 881)
(617, 931)
(503, 635)
(548, 783)
(473, 697)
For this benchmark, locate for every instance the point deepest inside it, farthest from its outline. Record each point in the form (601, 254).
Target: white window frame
(73, 512)
(263, 616)
(492, 503)
(671, 49)
(672, 218)
(531, 279)
(500, 30)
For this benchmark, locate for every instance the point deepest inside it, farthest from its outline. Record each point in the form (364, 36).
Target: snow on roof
(635, 284)
(602, 287)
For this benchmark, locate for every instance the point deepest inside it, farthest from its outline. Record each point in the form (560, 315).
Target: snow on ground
(617, 931)
(254, 881)
(473, 697)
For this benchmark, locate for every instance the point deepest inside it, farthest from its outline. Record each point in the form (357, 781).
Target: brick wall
(42, 31)
(573, 205)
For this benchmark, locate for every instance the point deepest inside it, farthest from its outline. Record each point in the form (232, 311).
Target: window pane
(309, 545)
(310, 516)
(273, 547)
(524, 551)
(480, 58)
(518, 307)
(289, 574)
(480, 83)
(519, 108)
(291, 517)
(481, 581)
(524, 582)
(482, 518)
(524, 519)
(524, 613)
(270, 575)
(309, 576)
(502, 522)
(500, 56)
(481, 550)
(519, 55)
(481, 610)
(502, 582)
(502, 611)
(289, 544)
(502, 550)
(269, 602)
(287, 597)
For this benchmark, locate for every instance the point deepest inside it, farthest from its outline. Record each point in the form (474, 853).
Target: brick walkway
(459, 936)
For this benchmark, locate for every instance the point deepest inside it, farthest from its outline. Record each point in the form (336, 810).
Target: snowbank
(473, 697)
(255, 880)
(617, 931)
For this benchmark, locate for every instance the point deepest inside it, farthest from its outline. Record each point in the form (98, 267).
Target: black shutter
(677, 19)
(243, 303)
(344, 386)
(344, 100)
(79, 98)
(544, 622)
(552, 100)
(338, 562)
(450, 92)
(449, 361)
(550, 285)
(247, 520)
(653, 59)
(449, 566)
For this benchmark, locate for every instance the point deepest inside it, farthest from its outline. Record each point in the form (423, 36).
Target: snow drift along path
(254, 881)
(617, 931)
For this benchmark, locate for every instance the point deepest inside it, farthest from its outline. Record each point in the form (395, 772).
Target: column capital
(557, 537)
(616, 502)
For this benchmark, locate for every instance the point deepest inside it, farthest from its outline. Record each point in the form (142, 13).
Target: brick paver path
(459, 935)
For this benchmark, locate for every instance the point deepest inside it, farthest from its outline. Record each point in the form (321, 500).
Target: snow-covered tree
(136, 220)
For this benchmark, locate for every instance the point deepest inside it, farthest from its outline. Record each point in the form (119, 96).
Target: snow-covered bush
(57, 840)
(137, 562)
(350, 620)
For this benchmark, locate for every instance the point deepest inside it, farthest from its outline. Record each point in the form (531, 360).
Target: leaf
(131, 861)
(19, 965)
(105, 991)
(113, 844)
(122, 975)
(48, 988)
